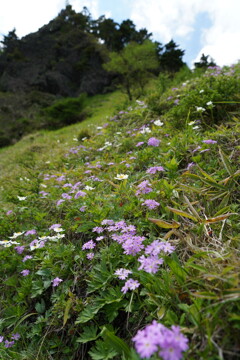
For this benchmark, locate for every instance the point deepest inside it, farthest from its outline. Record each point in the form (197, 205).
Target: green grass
(196, 187)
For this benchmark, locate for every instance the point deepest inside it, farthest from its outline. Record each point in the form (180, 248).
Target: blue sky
(198, 26)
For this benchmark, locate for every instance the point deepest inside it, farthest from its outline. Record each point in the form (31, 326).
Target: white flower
(88, 187)
(201, 91)
(191, 123)
(43, 185)
(99, 127)
(8, 243)
(75, 139)
(15, 235)
(107, 143)
(145, 130)
(121, 177)
(209, 103)
(200, 109)
(195, 127)
(158, 123)
(37, 245)
(58, 229)
(21, 198)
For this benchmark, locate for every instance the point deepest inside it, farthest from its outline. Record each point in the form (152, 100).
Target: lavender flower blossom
(170, 343)
(89, 245)
(154, 169)
(122, 274)
(130, 284)
(56, 281)
(25, 272)
(153, 142)
(151, 204)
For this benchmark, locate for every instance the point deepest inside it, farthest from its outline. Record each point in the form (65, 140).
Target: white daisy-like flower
(145, 130)
(89, 188)
(15, 235)
(158, 122)
(200, 108)
(209, 103)
(58, 229)
(21, 198)
(121, 177)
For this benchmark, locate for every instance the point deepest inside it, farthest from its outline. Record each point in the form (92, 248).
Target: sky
(211, 27)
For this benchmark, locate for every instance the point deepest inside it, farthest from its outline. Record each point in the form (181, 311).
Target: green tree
(204, 63)
(171, 59)
(134, 65)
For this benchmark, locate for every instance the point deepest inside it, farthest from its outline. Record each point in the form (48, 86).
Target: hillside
(120, 234)
(66, 58)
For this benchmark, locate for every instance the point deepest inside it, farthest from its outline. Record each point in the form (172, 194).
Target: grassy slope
(197, 287)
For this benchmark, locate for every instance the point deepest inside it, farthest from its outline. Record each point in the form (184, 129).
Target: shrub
(65, 112)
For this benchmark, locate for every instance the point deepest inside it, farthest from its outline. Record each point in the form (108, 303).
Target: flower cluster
(156, 338)
(11, 342)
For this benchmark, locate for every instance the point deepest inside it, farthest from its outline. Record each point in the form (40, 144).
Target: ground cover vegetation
(119, 236)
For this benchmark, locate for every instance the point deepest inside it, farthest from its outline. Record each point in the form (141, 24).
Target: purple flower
(8, 344)
(210, 141)
(98, 229)
(9, 212)
(99, 238)
(27, 257)
(89, 245)
(54, 226)
(83, 208)
(25, 272)
(130, 284)
(153, 142)
(79, 194)
(15, 336)
(151, 204)
(107, 222)
(1, 339)
(30, 232)
(19, 249)
(154, 169)
(140, 143)
(150, 264)
(144, 188)
(122, 274)
(66, 196)
(90, 256)
(190, 165)
(56, 281)
(133, 245)
(170, 343)
(59, 202)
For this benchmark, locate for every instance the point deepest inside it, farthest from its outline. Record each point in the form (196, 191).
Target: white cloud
(176, 18)
(27, 15)
(92, 6)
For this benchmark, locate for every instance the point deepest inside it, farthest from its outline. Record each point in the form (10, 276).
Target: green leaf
(226, 162)
(89, 334)
(182, 213)
(165, 224)
(67, 309)
(40, 307)
(116, 343)
(102, 351)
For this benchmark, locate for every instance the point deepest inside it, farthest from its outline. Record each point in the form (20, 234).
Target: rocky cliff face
(59, 59)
